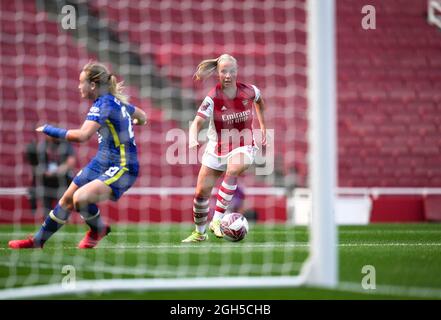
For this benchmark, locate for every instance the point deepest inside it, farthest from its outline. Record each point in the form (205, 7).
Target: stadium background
(388, 136)
(388, 93)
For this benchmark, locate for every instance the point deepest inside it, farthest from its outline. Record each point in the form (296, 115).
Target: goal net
(155, 46)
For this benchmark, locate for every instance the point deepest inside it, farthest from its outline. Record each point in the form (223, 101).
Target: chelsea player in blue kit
(110, 173)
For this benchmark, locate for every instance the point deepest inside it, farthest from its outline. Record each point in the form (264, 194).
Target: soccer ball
(234, 226)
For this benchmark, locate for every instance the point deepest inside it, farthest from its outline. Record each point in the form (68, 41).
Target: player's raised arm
(88, 129)
(83, 134)
(139, 117)
(204, 112)
(195, 127)
(260, 112)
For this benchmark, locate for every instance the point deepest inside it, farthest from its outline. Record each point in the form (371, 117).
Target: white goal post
(321, 268)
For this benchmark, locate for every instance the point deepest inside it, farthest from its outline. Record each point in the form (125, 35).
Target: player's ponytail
(100, 75)
(207, 67)
(117, 89)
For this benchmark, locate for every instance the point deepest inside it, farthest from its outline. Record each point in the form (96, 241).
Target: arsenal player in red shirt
(231, 148)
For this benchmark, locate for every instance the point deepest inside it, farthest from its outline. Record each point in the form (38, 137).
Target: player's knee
(79, 200)
(234, 172)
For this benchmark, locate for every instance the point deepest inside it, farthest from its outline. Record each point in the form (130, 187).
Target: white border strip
(276, 191)
(305, 192)
(151, 285)
(163, 191)
(13, 191)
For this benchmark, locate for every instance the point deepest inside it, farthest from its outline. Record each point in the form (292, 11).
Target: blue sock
(93, 218)
(50, 225)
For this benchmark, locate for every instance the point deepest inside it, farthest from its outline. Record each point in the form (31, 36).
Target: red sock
(225, 195)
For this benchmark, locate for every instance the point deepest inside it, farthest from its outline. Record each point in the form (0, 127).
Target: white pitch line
(224, 246)
(135, 233)
(132, 232)
(238, 246)
(392, 244)
(79, 234)
(373, 232)
(257, 245)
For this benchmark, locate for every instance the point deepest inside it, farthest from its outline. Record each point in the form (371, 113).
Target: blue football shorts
(119, 179)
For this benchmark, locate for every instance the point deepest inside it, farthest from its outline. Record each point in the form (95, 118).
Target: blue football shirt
(116, 138)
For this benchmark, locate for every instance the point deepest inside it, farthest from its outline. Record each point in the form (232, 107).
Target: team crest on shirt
(94, 112)
(245, 102)
(94, 109)
(204, 106)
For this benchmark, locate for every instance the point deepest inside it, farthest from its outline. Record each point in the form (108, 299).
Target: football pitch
(406, 259)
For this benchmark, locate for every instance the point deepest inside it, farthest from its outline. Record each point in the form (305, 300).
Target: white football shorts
(220, 162)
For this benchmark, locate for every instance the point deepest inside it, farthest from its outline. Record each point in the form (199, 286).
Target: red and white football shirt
(230, 119)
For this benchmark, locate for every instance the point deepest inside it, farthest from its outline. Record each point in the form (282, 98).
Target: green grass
(406, 257)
